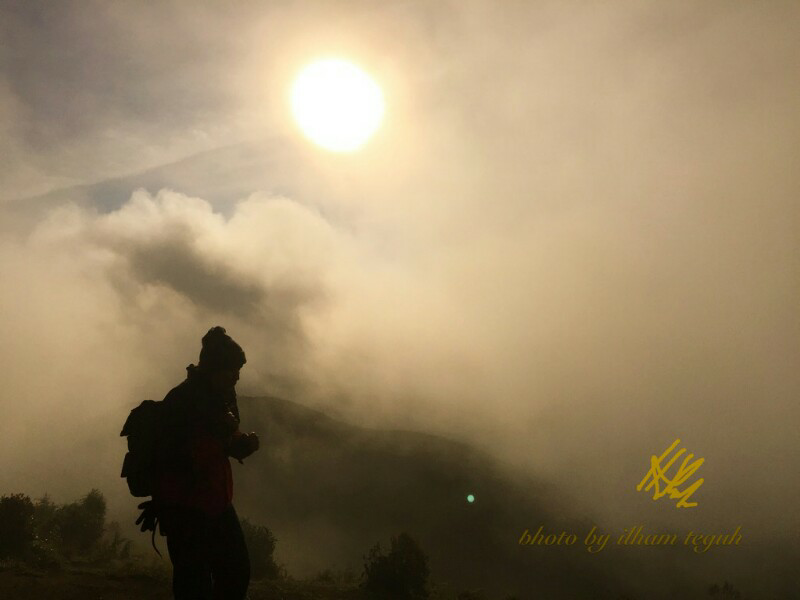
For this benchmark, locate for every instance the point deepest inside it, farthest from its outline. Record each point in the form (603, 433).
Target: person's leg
(230, 562)
(187, 543)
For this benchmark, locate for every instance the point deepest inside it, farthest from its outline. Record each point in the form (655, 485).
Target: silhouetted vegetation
(724, 592)
(16, 526)
(114, 545)
(81, 524)
(402, 574)
(261, 546)
(45, 534)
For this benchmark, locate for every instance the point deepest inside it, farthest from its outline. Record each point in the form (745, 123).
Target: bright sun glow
(336, 104)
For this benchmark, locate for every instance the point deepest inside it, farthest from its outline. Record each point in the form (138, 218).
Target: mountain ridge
(329, 490)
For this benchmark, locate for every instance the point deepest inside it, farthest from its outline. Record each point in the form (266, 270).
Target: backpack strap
(153, 537)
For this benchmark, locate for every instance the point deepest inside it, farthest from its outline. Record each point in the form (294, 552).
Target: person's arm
(240, 445)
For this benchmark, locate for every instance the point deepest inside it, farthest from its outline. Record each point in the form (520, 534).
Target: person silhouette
(193, 495)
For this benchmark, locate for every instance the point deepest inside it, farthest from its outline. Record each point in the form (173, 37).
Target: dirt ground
(77, 585)
(84, 583)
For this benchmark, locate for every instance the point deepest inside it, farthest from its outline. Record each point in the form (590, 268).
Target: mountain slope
(329, 491)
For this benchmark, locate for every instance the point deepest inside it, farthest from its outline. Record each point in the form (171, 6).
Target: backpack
(143, 428)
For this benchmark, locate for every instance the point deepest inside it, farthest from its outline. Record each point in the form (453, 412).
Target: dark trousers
(209, 556)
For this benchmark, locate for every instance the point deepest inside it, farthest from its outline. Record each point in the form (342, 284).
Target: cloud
(107, 309)
(260, 268)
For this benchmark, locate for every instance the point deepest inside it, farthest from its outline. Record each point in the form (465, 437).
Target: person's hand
(252, 442)
(244, 445)
(150, 514)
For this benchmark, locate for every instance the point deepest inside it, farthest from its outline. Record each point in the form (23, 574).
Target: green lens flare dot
(470, 498)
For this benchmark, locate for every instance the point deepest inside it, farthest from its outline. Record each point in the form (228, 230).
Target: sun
(336, 104)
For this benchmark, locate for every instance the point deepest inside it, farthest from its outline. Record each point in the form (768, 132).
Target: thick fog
(574, 239)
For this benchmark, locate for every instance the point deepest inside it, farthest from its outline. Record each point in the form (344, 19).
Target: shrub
(16, 526)
(726, 592)
(260, 546)
(43, 533)
(80, 524)
(46, 532)
(402, 574)
(45, 557)
(113, 545)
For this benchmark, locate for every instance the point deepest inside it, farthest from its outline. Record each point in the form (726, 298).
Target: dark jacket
(201, 432)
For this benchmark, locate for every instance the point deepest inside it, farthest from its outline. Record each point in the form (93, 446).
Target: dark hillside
(329, 490)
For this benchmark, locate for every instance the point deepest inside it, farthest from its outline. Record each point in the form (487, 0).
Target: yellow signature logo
(658, 474)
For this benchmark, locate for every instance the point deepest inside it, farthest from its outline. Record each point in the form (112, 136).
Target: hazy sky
(574, 239)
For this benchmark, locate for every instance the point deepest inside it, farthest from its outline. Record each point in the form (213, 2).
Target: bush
(46, 557)
(81, 523)
(260, 546)
(16, 526)
(46, 532)
(113, 545)
(400, 575)
(725, 592)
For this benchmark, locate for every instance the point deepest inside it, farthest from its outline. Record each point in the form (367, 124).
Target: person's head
(221, 358)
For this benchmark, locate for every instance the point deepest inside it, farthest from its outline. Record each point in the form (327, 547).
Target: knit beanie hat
(220, 351)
